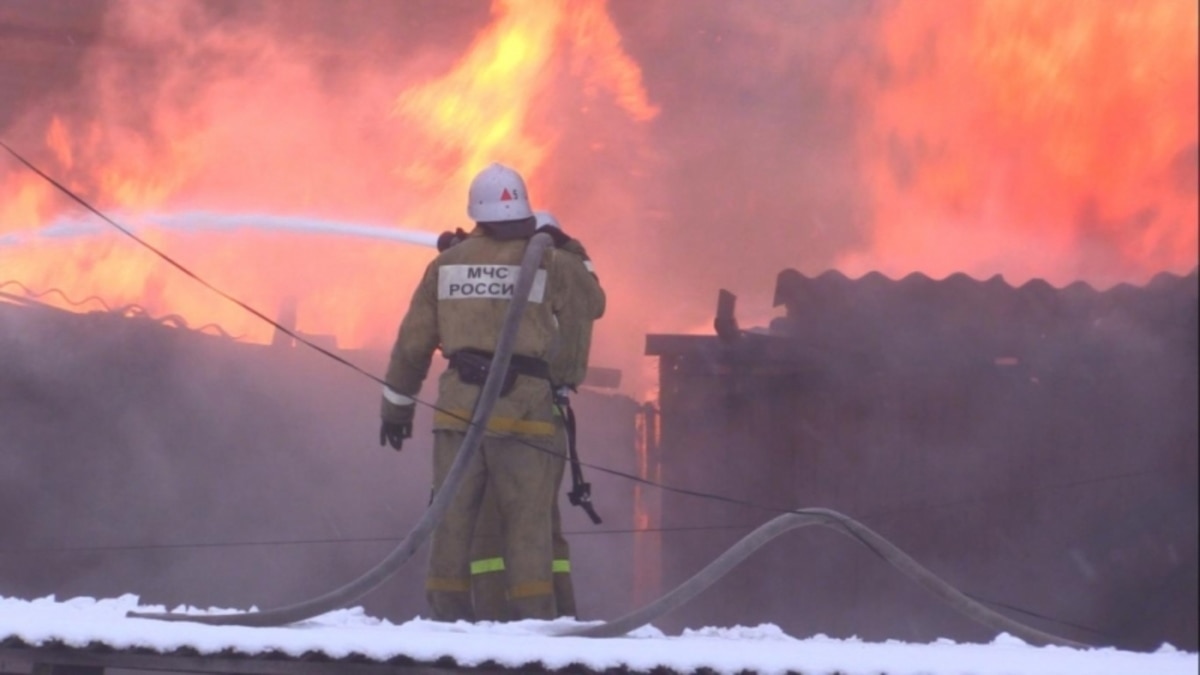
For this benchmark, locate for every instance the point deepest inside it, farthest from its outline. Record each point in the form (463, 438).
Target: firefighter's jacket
(568, 367)
(461, 303)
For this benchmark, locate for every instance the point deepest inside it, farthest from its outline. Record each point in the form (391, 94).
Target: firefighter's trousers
(523, 481)
(489, 585)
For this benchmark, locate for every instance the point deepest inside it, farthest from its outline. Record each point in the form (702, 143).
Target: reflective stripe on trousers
(490, 565)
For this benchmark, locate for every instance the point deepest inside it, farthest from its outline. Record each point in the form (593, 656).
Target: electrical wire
(385, 569)
(186, 271)
(327, 540)
(55, 291)
(130, 311)
(706, 577)
(302, 340)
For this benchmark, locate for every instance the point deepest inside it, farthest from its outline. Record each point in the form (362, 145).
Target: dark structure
(1034, 446)
(139, 455)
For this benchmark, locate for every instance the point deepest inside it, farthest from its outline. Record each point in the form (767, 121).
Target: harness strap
(581, 491)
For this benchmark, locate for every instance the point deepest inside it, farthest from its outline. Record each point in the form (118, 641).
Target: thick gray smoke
(192, 469)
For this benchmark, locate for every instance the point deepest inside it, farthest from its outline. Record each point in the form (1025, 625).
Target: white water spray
(207, 221)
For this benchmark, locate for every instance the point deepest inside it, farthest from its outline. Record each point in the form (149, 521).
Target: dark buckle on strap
(581, 496)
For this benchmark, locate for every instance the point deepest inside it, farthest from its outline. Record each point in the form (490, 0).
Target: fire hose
(838, 522)
(408, 546)
(674, 599)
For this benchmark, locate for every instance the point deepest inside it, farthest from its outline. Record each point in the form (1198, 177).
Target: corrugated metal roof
(960, 298)
(832, 313)
(916, 318)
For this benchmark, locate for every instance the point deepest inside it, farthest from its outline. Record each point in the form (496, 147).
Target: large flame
(1035, 139)
(1040, 138)
(476, 114)
(252, 126)
(479, 113)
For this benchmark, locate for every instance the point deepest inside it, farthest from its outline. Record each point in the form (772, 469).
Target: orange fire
(1039, 138)
(270, 141)
(476, 114)
(481, 111)
(1035, 139)
(392, 144)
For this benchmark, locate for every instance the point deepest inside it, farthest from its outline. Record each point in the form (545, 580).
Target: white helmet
(547, 218)
(497, 194)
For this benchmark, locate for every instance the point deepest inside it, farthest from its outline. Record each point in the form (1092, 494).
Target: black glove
(397, 423)
(560, 238)
(447, 239)
(394, 433)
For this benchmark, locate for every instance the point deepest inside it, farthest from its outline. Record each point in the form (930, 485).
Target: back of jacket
(569, 365)
(461, 303)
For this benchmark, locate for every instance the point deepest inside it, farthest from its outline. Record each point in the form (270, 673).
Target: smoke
(141, 458)
(193, 469)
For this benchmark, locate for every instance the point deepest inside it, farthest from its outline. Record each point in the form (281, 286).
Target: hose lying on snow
(841, 523)
(375, 577)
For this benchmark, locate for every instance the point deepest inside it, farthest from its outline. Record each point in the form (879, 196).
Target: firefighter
(459, 307)
(567, 369)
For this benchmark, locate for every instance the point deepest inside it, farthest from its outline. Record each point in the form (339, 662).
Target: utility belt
(473, 366)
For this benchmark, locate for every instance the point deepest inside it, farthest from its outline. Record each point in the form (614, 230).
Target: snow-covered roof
(350, 636)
